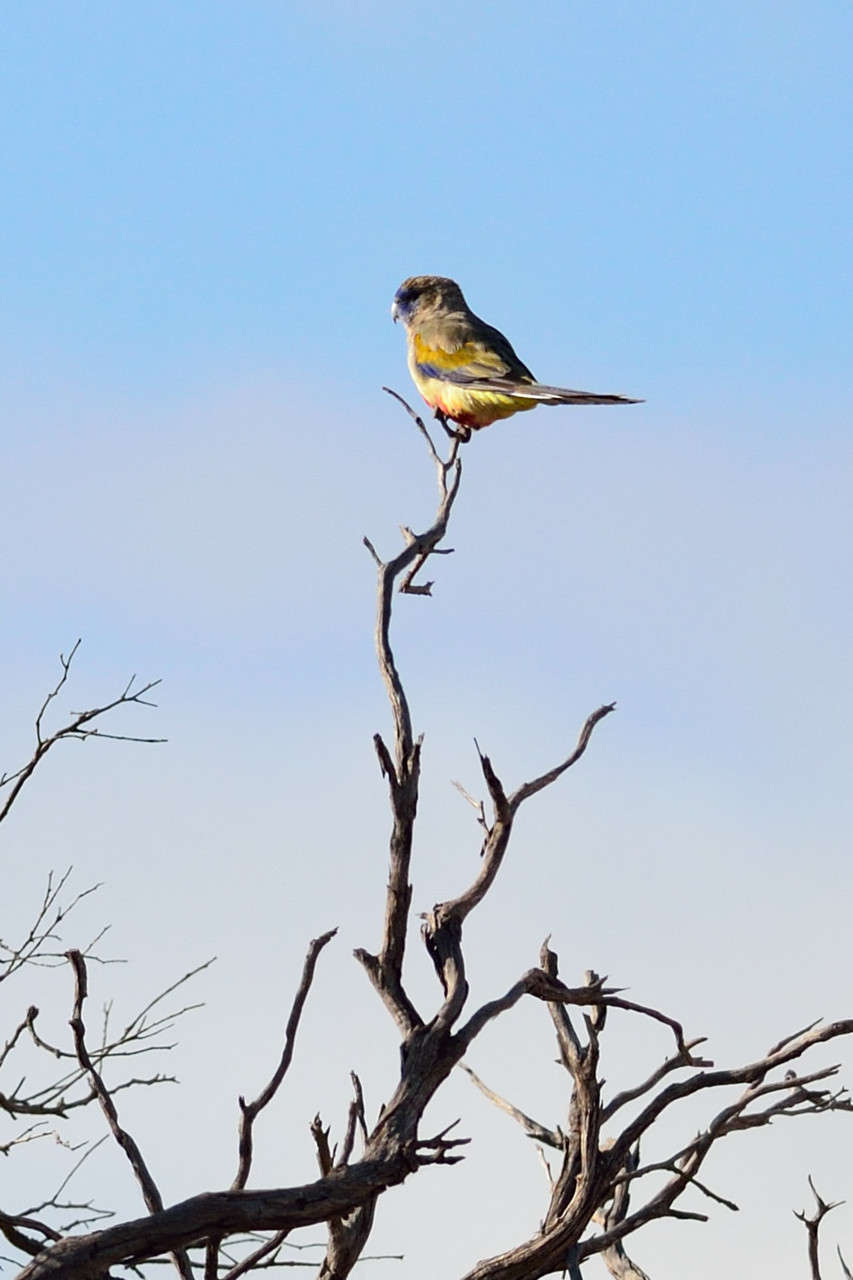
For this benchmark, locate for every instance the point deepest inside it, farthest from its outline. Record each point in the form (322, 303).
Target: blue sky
(207, 210)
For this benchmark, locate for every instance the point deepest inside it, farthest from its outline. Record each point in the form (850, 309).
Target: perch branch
(402, 770)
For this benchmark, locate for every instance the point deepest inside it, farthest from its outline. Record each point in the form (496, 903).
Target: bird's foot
(456, 432)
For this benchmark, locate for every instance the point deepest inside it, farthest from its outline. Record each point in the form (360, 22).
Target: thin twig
(75, 729)
(531, 1127)
(251, 1260)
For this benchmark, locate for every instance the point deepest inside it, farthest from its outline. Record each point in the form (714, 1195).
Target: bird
(465, 369)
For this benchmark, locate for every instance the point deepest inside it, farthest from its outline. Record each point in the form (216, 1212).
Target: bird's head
(420, 296)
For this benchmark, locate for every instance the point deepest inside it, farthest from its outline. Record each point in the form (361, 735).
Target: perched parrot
(465, 369)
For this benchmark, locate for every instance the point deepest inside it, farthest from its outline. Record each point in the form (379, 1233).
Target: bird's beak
(395, 312)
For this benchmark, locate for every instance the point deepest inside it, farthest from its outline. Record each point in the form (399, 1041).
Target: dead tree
(598, 1193)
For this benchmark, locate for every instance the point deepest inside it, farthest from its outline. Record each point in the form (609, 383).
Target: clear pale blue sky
(206, 211)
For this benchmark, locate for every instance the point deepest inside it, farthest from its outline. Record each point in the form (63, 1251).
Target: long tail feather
(538, 391)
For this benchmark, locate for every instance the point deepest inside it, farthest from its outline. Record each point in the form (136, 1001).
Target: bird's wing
(459, 348)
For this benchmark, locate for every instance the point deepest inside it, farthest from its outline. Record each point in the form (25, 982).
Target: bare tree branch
(75, 730)
(683, 1058)
(533, 1129)
(150, 1192)
(227, 1211)
(61, 1095)
(355, 1118)
(812, 1226)
(544, 780)
(252, 1259)
(615, 1257)
(249, 1110)
(402, 772)
(596, 1171)
(43, 933)
(442, 930)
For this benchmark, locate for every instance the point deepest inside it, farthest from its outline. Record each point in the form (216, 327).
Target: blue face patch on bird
(401, 307)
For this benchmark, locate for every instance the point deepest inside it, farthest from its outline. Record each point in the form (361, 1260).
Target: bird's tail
(544, 394)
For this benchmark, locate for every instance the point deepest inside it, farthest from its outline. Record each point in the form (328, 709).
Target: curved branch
(443, 925)
(535, 983)
(684, 1058)
(544, 780)
(250, 1110)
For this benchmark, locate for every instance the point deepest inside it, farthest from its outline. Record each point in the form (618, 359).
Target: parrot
(465, 369)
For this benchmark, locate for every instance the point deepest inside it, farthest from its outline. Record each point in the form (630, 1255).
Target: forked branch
(812, 1225)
